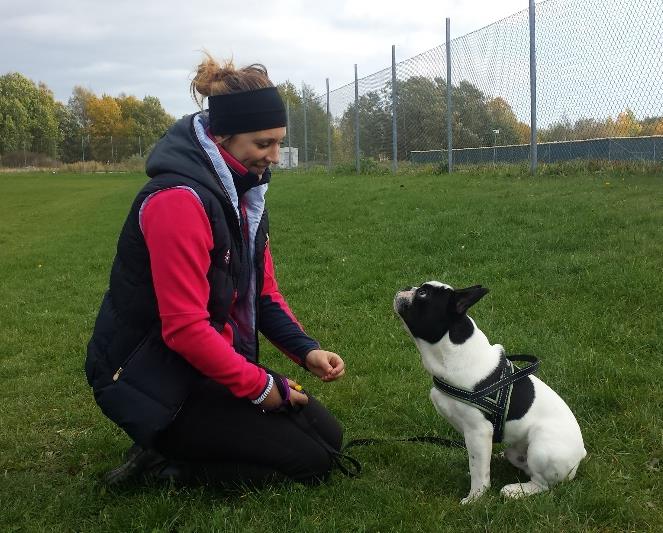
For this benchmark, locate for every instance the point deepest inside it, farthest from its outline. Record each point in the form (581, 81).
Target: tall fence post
(329, 157)
(305, 126)
(357, 158)
(394, 129)
(449, 111)
(287, 121)
(532, 85)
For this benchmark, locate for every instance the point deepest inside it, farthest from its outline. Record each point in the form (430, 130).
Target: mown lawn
(574, 266)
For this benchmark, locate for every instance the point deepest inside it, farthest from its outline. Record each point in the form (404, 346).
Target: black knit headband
(260, 109)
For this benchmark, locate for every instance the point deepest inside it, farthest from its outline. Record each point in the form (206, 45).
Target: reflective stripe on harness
(493, 399)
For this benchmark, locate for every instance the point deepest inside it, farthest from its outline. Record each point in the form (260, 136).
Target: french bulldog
(542, 434)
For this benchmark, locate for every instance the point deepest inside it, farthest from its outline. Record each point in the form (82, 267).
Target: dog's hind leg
(519, 490)
(538, 462)
(549, 465)
(518, 458)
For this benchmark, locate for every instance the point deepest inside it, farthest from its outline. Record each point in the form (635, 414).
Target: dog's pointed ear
(466, 298)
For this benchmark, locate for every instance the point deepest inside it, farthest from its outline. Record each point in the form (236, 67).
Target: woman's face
(256, 150)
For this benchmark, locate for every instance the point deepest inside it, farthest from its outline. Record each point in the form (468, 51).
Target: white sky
(151, 48)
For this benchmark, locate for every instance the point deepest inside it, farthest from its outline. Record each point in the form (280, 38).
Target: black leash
(341, 456)
(448, 443)
(351, 467)
(347, 464)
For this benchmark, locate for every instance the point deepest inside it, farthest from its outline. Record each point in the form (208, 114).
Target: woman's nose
(273, 154)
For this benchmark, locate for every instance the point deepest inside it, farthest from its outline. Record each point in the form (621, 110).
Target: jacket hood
(180, 151)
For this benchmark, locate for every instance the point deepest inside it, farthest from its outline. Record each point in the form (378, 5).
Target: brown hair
(212, 78)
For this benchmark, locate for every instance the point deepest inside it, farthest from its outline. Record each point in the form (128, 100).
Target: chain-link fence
(599, 80)
(598, 87)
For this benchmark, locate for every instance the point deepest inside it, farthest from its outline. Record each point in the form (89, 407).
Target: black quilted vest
(138, 382)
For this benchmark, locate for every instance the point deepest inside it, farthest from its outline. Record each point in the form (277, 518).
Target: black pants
(217, 438)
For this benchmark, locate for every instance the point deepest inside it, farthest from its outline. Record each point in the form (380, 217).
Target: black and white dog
(543, 436)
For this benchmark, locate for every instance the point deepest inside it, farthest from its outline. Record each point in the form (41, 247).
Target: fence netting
(599, 69)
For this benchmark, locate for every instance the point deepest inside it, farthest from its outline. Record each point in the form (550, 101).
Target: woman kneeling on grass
(173, 356)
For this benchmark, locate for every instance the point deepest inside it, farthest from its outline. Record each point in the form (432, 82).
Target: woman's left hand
(328, 366)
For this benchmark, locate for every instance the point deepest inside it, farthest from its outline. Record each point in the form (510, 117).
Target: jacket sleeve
(277, 322)
(179, 240)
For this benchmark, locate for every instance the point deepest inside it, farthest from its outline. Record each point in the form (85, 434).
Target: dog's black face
(433, 309)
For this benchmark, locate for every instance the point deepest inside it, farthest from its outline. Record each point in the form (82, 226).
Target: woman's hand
(296, 397)
(328, 366)
(274, 400)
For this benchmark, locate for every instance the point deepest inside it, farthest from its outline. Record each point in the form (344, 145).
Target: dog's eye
(422, 293)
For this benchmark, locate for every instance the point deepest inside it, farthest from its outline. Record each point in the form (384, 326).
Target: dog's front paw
(473, 495)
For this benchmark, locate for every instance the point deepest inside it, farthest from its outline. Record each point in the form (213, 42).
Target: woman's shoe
(138, 461)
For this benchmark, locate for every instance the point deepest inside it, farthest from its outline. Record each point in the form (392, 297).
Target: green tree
(421, 115)
(153, 121)
(72, 143)
(76, 130)
(316, 125)
(28, 116)
(144, 123)
(293, 101)
(374, 127)
(300, 104)
(422, 119)
(471, 122)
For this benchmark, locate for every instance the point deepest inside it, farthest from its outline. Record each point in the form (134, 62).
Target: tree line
(88, 127)
(110, 129)
(477, 121)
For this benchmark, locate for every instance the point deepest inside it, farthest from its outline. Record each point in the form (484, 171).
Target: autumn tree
(627, 125)
(652, 126)
(502, 118)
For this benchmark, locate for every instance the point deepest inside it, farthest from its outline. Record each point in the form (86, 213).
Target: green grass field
(574, 266)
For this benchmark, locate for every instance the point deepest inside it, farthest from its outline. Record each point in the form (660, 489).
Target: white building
(288, 158)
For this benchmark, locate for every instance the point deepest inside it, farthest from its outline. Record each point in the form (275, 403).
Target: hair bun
(211, 78)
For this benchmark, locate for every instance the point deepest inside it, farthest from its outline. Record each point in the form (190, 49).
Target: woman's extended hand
(328, 366)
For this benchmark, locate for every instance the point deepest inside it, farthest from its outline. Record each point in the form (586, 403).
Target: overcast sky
(151, 48)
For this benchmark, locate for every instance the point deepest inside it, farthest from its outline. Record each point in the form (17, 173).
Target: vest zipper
(126, 362)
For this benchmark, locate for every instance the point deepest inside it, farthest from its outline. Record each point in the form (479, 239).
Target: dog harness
(493, 399)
